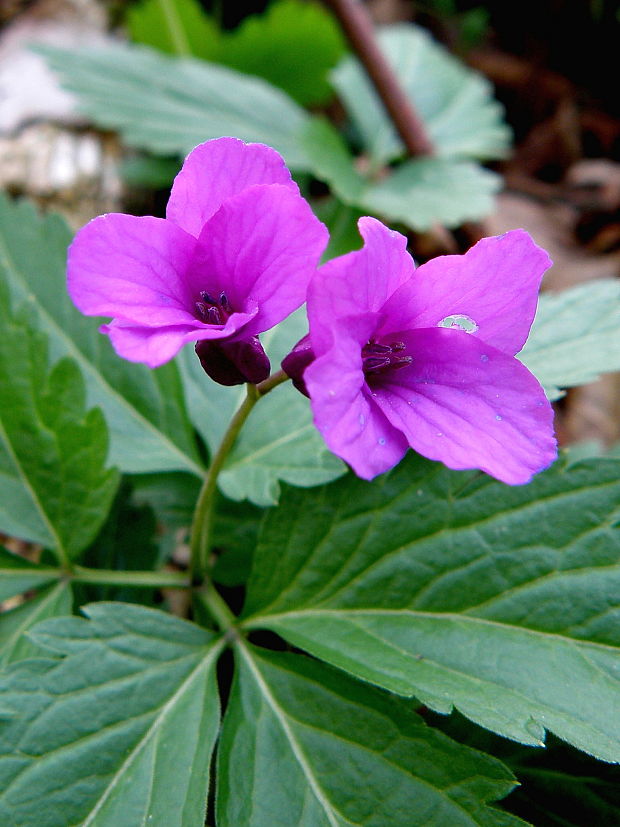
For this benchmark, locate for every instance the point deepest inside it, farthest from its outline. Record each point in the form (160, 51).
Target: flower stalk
(200, 538)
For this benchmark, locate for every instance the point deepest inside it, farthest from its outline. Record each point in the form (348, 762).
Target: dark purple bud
(234, 363)
(297, 361)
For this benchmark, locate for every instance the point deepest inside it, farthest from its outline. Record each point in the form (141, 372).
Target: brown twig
(358, 27)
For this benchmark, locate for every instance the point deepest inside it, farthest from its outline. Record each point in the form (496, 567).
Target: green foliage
(418, 192)
(56, 489)
(179, 27)
(500, 601)
(455, 103)
(279, 441)
(293, 44)
(144, 409)
(119, 730)
(169, 105)
(326, 750)
(54, 601)
(575, 336)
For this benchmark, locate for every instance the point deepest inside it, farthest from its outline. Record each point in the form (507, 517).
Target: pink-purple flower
(232, 258)
(425, 358)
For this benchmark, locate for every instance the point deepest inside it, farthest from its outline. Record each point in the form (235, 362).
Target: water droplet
(498, 417)
(459, 322)
(381, 441)
(373, 394)
(419, 492)
(362, 419)
(484, 358)
(540, 404)
(331, 393)
(439, 433)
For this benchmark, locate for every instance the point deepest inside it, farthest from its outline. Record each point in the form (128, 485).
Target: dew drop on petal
(331, 393)
(381, 441)
(459, 322)
(484, 358)
(439, 433)
(498, 417)
(361, 419)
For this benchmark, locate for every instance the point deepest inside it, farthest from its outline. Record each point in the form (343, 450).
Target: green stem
(140, 579)
(203, 515)
(217, 607)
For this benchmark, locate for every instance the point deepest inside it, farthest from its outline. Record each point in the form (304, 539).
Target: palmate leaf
(54, 601)
(455, 103)
(169, 105)
(278, 442)
(56, 489)
(575, 336)
(304, 745)
(144, 409)
(500, 601)
(119, 731)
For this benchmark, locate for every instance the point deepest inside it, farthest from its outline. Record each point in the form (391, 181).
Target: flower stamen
(379, 359)
(213, 311)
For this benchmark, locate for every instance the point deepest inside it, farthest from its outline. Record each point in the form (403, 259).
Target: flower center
(378, 359)
(213, 311)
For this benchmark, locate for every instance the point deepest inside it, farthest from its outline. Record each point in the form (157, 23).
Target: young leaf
(278, 442)
(169, 105)
(575, 336)
(179, 27)
(52, 451)
(119, 730)
(293, 45)
(455, 103)
(304, 745)
(144, 409)
(55, 601)
(500, 601)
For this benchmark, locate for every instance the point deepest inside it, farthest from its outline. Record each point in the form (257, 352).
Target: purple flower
(425, 358)
(232, 258)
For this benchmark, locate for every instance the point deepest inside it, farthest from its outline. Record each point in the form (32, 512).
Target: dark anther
(378, 359)
(213, 311)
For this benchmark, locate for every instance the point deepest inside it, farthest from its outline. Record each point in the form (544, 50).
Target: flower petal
(217, 170)
(156, 345)
(345, 413)
(358, 282)
(262, 246)
(495, 284)
(469, 406)
(132, 268)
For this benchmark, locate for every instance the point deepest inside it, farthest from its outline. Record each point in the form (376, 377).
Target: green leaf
(559, 787)
(119, 730)
(144, 409)
(18, 575)
(293, 45)
(57, 490)
(279, 440)
(575, 336)
(500, 601)
(456, 104)
(419, 192)
(176, 26)
(169, 105)
(55, 601)
(425, 191)
(304, 745)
